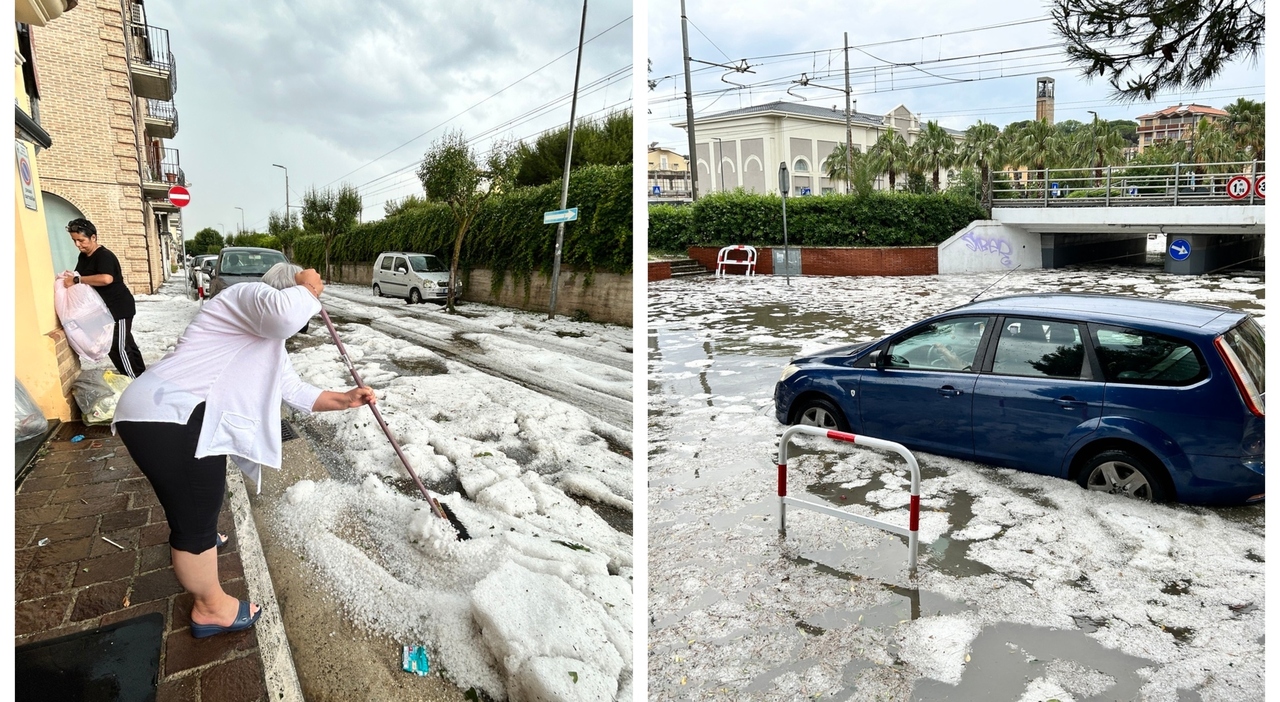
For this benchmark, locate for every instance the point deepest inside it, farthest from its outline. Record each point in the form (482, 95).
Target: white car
(413, 276)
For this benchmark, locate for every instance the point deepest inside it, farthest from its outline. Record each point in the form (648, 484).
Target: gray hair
(282, 275)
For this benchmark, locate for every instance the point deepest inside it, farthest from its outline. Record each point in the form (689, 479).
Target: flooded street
(1028, 587)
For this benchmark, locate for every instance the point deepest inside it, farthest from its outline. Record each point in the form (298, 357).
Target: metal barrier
(912, 531)
(1177, 184)
(722, 259)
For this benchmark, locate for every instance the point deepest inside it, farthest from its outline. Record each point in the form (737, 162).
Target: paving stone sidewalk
(70, 578)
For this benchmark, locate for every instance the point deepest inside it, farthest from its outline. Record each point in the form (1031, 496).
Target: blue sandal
(243, 621)
(222, 541)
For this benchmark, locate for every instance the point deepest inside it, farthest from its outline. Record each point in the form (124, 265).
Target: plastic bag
(29, 421)
(85, 319)
(97, 391)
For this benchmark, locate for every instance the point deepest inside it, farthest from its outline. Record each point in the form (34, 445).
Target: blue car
(1155, 400)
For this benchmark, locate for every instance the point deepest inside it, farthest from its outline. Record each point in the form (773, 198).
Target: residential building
(43, 361)
(1173, 123)
(668, 175)
(743, 148)
(107, 80)
(99, 84)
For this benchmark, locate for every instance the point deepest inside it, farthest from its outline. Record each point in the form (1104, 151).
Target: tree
(1247, 122)
(1212, 143)
(1036, 146)
(1143, 47)
(330, 213)
(395, 207)
(893, 153)
(285, 230)
(206, 241)
(865, 169)
(983, 146)
(934, 151)
(451, 174)
(606, 142)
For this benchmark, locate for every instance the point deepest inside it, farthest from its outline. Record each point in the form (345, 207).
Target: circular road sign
(179, 196)
(1179, 249)
(1238, 187)
(1260, 187)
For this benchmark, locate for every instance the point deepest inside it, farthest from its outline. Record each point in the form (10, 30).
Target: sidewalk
(80, 494)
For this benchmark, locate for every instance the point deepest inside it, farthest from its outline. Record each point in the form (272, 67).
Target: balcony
(163, 171)
(161, 119)
(152, 68)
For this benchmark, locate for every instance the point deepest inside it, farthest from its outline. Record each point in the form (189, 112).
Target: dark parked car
(242, 264)
(1151, 399)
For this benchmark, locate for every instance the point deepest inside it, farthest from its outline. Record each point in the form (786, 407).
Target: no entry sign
(179, 196)
(1260, 187)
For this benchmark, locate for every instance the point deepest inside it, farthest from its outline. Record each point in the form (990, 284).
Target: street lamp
(1093, 148)
(241, 219)
(287, 221)
(720, 158)
(784, 184)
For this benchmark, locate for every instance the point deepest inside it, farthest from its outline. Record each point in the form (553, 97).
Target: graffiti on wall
(990, 245)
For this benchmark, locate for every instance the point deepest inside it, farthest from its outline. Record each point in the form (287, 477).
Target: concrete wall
(608, 298)
(988, 245)
(838, 260)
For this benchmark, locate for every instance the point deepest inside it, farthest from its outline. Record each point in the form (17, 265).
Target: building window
(802, 166)
(663, 165)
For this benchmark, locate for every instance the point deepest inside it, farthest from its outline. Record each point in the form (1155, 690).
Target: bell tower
(1044, 99)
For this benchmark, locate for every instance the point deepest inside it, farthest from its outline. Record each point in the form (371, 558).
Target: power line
(518, 81)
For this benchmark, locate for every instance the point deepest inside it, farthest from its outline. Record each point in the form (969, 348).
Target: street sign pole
(568, 156)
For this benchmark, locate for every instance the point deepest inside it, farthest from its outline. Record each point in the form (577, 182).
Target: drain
(286, 432)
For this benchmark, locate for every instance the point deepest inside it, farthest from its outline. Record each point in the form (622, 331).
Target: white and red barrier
(722, 259)
(912, 531)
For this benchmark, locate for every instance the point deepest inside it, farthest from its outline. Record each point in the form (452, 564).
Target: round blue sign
(1179, 249)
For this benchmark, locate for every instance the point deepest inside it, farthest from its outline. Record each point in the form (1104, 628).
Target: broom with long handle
(440, 509)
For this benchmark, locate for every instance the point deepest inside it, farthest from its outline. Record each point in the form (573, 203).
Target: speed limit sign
(1260, 187)
(1238, 187)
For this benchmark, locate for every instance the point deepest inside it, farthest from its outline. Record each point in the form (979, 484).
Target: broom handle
(342, 350)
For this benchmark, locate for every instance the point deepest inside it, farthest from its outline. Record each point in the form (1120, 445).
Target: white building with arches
(743, 148)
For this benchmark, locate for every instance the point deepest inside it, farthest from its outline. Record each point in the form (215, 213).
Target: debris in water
(77, 438)
(413, 659)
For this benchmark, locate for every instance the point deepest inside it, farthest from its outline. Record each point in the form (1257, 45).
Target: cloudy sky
(762, 31)
(327, 87)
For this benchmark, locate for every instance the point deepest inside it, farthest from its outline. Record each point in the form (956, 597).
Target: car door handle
(1069, 403)
(948, 391)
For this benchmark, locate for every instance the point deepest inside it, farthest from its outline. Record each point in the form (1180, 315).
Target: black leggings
(190, 489)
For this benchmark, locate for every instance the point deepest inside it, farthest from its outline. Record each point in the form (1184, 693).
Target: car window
(950, 344)
(426, 264)
(1039, 348)
(1146, 358)
(401, 265)
(1249, 345)
(386, 262)
(249, 262)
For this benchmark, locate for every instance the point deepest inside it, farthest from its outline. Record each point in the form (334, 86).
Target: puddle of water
(1004, 657)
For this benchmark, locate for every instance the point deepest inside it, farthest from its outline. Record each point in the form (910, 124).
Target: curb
(279, 674)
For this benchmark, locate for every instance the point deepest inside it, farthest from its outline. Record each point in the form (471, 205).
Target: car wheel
(1120, 472)
(414, 296)
(817, 412)
(377, 291)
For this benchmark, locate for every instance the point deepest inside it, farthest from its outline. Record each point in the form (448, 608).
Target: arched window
(802, 166)
(57, 212)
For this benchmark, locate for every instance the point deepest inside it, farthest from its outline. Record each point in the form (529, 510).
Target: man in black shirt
(100, 268)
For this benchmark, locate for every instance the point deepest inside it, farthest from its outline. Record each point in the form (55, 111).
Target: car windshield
(1247, 341)
(250, 262)
(426, 264)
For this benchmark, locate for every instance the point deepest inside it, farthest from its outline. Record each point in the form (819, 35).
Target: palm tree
(865, 168)
(1036, 145)
(892, 151)
(1101, 148)
(983, 146)
(935, 150)
(1247, 120)
(1211, 143)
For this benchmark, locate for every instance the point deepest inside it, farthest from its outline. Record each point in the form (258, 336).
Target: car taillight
(1244, 382)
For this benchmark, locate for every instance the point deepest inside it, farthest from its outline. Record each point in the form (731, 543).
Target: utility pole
(568, 154)
(848, 119)
(288, 223)
(1093, 147)
(720, 158)
(688, 100)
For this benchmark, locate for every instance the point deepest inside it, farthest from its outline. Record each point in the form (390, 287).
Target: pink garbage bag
(85, 319)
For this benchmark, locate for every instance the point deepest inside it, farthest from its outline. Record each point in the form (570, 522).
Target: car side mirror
(877, 359)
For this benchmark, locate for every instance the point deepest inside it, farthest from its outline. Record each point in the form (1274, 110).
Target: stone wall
(608, 297)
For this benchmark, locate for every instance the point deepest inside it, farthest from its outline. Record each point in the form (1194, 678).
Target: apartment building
(94, 103)
(744, 147)
(1173, 123)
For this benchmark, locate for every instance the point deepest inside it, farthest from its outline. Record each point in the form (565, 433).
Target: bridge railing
(1225, 183)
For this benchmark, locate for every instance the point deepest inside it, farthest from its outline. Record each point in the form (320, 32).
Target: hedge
(508, 235)
(878, 219)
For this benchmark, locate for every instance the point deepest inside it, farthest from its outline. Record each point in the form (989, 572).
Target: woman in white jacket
(218, 395)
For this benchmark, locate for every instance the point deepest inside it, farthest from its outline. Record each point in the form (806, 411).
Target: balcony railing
(164, 169)
(155, 73)
(1131, 185)
(161, 119)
